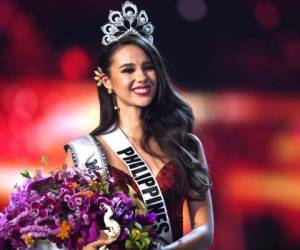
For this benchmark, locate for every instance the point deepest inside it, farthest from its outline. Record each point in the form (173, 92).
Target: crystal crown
(129, 21)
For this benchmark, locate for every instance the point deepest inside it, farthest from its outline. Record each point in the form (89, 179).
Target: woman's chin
(136, 102)
(143, 104)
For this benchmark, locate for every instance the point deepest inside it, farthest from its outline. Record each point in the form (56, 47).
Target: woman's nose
(141, 76)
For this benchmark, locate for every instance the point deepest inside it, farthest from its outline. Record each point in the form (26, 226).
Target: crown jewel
(129, 21)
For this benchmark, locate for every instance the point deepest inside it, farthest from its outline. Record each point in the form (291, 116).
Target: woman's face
(132, 77)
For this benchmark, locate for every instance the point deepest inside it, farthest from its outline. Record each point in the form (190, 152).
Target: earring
(115, 103)
(110, 91)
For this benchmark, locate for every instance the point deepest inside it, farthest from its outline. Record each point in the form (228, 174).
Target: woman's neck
(131, 123)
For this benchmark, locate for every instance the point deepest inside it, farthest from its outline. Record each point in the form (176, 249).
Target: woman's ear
(106, 81)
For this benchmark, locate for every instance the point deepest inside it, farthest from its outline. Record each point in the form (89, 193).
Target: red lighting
(292, 54)
(6, 15)
(74, 63)
(267, 15)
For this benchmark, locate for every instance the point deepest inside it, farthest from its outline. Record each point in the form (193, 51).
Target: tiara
(129, 21)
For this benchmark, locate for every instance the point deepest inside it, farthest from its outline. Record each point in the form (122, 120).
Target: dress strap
(88, 155)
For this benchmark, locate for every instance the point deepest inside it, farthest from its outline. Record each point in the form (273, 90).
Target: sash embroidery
(91, 165)
(87, 155)
(100, 156)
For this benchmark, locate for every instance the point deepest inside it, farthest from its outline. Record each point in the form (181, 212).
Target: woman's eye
(127, 70)
(149, 67)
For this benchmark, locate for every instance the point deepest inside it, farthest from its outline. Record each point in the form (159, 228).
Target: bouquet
(70, 210)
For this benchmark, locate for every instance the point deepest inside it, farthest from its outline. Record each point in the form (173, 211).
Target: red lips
(141, 87)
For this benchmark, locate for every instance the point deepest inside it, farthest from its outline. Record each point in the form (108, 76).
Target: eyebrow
(132, 64)
(126, 64)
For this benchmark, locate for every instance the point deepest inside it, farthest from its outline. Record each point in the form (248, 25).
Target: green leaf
(103, 189)
(129, 244)
(143, 244)
(139, 244)
(26, 174)
(131, 191)
(147, 240)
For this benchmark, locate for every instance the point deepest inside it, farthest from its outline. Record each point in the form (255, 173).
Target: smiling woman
(144, 137)
(131, 76)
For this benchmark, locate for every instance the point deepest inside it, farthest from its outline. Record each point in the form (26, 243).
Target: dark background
(238, 44)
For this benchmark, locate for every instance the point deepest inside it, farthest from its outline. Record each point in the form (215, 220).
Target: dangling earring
(115, 103)
(110, 91)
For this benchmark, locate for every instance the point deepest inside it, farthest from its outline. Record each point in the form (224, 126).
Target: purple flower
(38, 176)
(124, 234)
(3, 220)
(129, 216)
(146, 219)
(152, 233)
(93, 232)
(35, 205)
(40, 184)
(43, 213)
(121, 197)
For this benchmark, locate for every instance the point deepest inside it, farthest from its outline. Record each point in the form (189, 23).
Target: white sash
(145, 181)
(87, 156)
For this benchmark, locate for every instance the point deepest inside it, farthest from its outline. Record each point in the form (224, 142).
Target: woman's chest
(154, 163)
(171, 179)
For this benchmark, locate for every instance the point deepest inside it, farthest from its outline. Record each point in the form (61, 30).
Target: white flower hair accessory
(129, 21)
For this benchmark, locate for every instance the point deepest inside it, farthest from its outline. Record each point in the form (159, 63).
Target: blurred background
(236, 62)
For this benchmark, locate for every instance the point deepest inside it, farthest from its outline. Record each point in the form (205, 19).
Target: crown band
(129, 21)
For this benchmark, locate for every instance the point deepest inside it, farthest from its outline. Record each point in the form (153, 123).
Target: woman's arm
(202, 220)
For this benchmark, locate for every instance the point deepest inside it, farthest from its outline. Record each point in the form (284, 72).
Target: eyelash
(130, 70)
(150, 67)
(127, 70)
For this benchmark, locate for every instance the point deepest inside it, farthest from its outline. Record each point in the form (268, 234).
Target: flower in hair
(98, 75)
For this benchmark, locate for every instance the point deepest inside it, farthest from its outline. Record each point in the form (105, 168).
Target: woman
(136, 97)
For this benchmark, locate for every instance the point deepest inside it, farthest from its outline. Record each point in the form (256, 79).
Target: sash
(87, 155)
(144, 179)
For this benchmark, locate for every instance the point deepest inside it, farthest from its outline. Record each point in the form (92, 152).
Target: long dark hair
(168, 119)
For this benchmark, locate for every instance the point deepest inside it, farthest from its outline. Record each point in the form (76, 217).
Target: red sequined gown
(174, 186)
